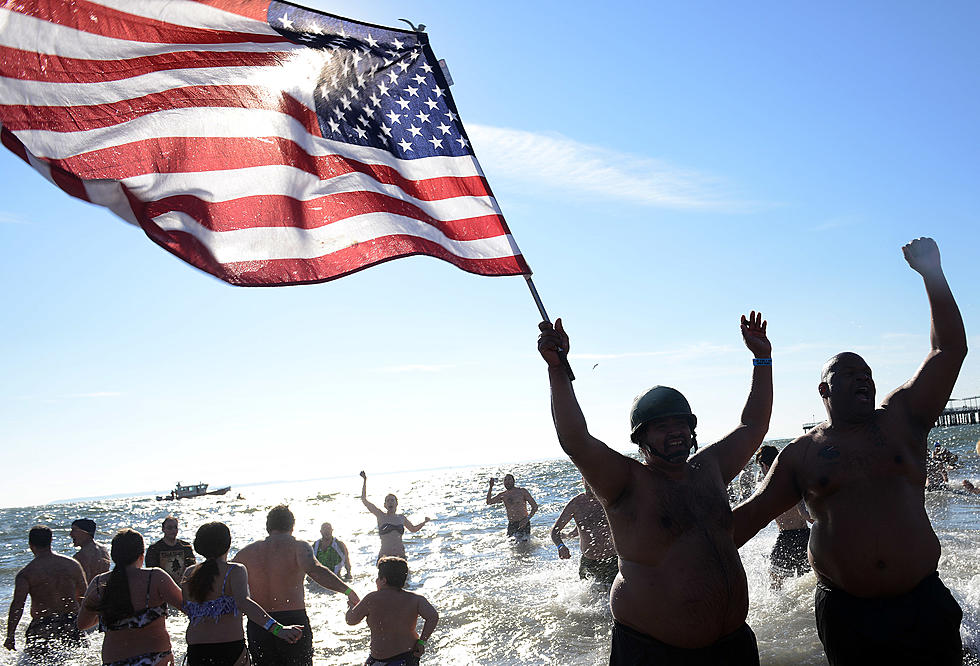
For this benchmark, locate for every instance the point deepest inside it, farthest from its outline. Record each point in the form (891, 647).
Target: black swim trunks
(788, 556)
(403, 659)
(632, 648)
(48, 638)
(215, 654)
(603, 570)
(267, 650)
(921, 627)
(520, 527)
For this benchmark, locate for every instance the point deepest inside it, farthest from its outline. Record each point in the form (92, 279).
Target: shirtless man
(392, 615)
(516, 501)
(598, 555)
(862, 472)
(789, 553)
(93, 556)
(55, 584)
(681, 592)
(277, 567)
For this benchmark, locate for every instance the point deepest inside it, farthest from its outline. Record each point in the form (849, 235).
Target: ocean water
(499, 603)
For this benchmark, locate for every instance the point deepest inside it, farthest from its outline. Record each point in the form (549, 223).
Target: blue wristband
(762, 361)
(268, 625)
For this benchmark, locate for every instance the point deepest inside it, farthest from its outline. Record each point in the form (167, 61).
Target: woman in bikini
(215, 596)
(132, 637)
(391, 525)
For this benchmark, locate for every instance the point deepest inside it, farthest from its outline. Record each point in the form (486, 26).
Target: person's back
(392, 614)
(55, 585)
(276, 572)
(216, 594)
(393, 621)
(130, 605)
(54, 582)
(277, 567)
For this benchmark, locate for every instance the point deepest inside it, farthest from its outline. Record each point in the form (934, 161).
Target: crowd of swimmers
(117, 590)
(847, 498)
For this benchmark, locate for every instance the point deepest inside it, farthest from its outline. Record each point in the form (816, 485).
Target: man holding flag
(681, 595)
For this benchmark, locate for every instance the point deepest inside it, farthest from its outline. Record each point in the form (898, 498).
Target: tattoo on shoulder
(829, 453)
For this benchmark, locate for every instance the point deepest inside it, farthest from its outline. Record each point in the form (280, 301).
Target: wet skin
(863, 471)
(681, 580)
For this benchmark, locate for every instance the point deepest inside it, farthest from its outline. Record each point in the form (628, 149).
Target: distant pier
(967, 413)
(959, 411)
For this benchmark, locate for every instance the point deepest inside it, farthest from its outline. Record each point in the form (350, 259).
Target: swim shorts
(520, 527)
(788, 556)
(632, 648)
(403, 659)
(267, 650)
(47, 638)
(215, 654)
(603, 570)
(920, 627)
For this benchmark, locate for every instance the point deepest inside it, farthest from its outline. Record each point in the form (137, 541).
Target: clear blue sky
(664, 167)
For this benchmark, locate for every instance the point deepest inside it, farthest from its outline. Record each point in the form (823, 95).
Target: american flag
(262, 142)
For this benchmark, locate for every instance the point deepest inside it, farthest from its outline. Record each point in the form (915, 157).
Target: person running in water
(391, 525)
(516, 501)
(332, 552)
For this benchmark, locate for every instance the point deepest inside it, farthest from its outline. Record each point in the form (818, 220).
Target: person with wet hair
(392, 615)
(55, 584)
(132, 637)
(391, 525)
(215, 596)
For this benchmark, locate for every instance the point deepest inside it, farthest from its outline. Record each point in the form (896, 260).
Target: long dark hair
(116, 604)
(212, 541)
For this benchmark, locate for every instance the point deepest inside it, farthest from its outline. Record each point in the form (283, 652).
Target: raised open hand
(754, 335)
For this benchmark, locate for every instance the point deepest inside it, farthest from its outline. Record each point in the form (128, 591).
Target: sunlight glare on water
(499, 603)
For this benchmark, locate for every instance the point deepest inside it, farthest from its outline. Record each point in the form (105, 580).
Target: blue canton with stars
(378, 87)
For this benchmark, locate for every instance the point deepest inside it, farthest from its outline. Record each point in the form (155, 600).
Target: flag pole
(563, 353)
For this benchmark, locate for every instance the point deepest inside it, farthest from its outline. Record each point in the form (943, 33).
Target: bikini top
(223, 605)
(138, 619)
(387, 528)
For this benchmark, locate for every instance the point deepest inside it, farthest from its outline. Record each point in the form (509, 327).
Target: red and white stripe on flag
(259, 141)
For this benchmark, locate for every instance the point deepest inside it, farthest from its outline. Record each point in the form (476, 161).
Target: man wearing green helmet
(681, 595)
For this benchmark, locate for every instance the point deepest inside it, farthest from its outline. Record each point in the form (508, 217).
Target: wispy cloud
(413, 367)
(10, 218)
(557, 162)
